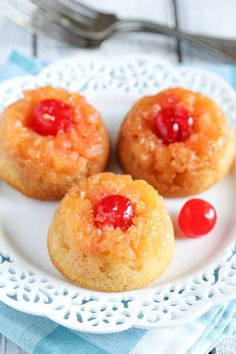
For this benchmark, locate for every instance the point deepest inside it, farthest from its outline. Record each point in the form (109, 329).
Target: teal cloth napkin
(39, 335)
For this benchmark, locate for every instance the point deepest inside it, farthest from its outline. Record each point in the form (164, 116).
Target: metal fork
(76, 23)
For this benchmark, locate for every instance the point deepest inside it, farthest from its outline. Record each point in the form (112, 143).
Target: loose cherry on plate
(173, 123)
(114, 210)
(197, 218)
(51, 115)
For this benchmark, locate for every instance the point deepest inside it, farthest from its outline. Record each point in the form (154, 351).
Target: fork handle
(224, 48)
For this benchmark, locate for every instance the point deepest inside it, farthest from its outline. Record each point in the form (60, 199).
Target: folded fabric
(41, 336)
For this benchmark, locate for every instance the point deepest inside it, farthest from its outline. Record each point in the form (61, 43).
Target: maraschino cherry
(173, 123)
(51, 115)
(197, 218)
(114, 210)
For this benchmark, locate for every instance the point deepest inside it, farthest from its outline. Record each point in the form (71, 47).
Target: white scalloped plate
(203, 271)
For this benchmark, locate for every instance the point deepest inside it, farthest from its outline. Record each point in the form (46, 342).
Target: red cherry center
(173, 123)
(50, 116)
(197, 218)
(114, 210)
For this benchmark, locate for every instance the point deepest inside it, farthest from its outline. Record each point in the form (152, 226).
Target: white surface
(191, 284)
(211, 16)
